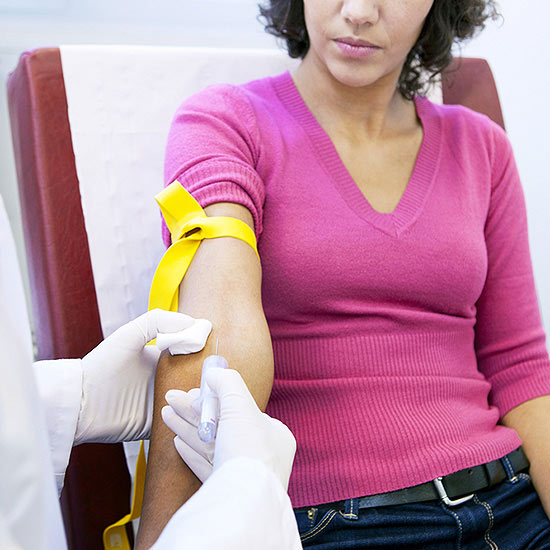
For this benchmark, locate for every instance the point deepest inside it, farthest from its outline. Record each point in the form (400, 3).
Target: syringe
(208, 399)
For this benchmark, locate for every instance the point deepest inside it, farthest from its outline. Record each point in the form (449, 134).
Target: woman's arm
(531, 421)
(510, 339)
(223, 284)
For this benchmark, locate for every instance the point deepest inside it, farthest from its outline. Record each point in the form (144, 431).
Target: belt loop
(509, 469)
(351, 507)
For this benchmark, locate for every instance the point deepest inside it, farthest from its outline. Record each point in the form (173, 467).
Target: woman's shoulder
(467, 136)
(249, 110)
(459, 116)
(232, 99)
(466, 127)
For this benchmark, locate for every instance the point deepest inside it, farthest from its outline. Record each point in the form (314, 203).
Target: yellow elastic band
(176, 260)
(115, 536)
(188, 225)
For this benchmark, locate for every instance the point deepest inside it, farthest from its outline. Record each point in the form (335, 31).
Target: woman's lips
(356, 48)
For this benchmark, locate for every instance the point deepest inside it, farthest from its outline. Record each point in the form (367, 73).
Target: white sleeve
(28, 499)
(6, 540)
(30, 516)
(241, 505)
(60, 388)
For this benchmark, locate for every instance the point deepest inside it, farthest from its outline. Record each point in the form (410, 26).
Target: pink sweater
(400, 339)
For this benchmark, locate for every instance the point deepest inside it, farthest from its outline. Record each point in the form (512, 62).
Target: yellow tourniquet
(188, 225)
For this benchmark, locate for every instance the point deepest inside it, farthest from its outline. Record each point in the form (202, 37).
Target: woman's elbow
(241, 335)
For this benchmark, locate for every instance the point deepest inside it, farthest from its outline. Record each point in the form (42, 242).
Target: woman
(397, 283)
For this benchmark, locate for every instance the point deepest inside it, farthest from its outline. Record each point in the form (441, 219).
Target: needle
(217, 340)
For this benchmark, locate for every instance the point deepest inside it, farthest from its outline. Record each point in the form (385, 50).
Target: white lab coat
(29, 514)
(242, 505)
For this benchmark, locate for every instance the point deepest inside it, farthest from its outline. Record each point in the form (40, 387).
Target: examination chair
(64, 302)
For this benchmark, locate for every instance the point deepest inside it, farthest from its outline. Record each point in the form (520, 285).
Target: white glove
(118, 376)
(243, 430)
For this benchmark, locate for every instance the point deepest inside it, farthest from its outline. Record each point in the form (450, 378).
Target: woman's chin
(354, 77)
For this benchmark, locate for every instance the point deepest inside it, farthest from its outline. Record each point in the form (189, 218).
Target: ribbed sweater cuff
(226, 181)
(518, 384)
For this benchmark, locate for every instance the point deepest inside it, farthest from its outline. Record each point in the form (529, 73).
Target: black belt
(452, 489)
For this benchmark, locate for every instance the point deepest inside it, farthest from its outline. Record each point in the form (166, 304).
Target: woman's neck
(363, 113)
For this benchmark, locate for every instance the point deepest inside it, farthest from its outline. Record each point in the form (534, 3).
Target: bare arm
(531, 421)
(223, 284)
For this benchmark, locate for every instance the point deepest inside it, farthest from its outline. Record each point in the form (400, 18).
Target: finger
(228, 385)
(188, 433)
(197, 406)
(198, 464)
(150, 356)
(194, 393)
(178, 424)
(182, 404)
(196, 401)
(284, 433)
(158, 320)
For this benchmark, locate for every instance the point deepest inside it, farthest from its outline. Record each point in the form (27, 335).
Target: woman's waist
(371, 433)
(359, 355)
(409, 407)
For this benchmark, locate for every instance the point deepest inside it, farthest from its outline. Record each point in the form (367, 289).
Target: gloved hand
(243, 430)
(118, 376)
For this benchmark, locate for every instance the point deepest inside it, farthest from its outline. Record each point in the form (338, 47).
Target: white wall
(516, 48)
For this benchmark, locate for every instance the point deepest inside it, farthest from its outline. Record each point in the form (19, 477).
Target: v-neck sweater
(400, 339)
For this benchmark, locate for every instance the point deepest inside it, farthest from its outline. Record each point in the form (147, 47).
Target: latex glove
(243, 430)
(118, 376)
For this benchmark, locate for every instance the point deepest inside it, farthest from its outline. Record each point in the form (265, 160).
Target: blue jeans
(507, 516)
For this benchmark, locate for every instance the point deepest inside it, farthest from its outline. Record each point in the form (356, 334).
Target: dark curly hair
(447, 23)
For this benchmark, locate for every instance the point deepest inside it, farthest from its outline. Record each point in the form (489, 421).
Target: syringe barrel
(209, 418)
(208, 399)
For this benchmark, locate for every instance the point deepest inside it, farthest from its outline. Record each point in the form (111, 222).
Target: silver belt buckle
(438, 482)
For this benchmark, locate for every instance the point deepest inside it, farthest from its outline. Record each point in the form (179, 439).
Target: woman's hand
(531, 421)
